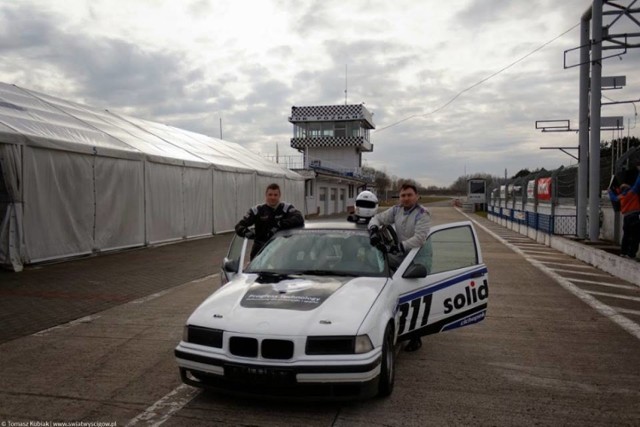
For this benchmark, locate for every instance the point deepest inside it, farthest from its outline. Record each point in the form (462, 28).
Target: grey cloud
(486, 12)
(23, 28)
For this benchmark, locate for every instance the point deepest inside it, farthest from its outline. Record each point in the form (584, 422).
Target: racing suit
(267, 221)
(412, 225)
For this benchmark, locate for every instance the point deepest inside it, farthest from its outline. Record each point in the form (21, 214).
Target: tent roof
(36, 119)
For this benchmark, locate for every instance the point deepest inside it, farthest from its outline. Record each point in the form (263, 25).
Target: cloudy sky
(190, 63)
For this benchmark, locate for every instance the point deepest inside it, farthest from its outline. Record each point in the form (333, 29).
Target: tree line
(388, 185)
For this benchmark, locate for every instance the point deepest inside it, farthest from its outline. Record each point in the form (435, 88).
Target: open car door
(236, 259)
(443, 285)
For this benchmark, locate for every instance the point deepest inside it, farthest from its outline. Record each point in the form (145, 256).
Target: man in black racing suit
(269, 217)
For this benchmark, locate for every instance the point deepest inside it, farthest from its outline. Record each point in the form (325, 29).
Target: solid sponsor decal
(415, 308)
(471, 295)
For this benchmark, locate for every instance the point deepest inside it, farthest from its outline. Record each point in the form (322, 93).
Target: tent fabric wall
(119, 213)
(198, 201)
(225, 215)
(58, 204)
(81, 180)
(11, 235)
(165, 214)
(294, 193)
(245, 194)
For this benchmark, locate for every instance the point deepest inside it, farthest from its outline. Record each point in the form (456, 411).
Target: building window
(315, 130)
(300, 130)
(327, 129)
(353, 128)
(351, 191)
(308, 188)
(341, 130)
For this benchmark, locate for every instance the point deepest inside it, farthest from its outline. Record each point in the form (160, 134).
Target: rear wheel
(388, 365)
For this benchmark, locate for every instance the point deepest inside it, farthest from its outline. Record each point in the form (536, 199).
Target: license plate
(259, 374)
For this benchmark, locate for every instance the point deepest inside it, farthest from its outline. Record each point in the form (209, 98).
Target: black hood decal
(302, 294)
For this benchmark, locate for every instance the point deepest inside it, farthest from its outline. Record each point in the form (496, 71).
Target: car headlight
(202, 336)
(338, 345)
(363, 344)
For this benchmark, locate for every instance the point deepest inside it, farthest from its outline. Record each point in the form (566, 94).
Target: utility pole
(594, 147)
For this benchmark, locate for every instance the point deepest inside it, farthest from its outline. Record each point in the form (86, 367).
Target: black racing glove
(240, 231)
(374, 236)
(271, 232)
(249, 234)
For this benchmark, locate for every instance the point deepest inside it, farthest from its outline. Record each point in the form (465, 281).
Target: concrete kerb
(617, 266)
(622, 268)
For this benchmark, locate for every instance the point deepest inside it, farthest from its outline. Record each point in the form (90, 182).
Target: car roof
(333, 225)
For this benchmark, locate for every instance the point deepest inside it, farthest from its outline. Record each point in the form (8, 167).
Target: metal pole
(583, 136)
(594, 145)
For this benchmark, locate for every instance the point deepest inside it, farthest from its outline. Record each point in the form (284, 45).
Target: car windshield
(320, 252)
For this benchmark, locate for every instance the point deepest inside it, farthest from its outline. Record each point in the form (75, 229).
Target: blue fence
(551, 224)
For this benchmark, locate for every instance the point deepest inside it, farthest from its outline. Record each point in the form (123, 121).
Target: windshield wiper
(326, 273)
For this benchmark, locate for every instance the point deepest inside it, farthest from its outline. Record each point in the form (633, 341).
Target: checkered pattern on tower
(332, 113)
(326, 110)
(349, 141)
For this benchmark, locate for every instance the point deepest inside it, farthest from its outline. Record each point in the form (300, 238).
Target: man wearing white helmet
(412, 224)
(366, 206)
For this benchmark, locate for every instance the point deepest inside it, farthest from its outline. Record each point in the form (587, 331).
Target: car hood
(307, 305)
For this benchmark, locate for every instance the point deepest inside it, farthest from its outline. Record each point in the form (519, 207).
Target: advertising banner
(530, 187)
(544, 189)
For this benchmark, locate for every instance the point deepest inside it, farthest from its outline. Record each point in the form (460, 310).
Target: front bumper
(332, 379)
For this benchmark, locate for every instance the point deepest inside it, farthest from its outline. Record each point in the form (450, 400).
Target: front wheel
(388, 365)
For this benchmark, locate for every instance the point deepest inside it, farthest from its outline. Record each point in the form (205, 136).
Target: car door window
(448, 249)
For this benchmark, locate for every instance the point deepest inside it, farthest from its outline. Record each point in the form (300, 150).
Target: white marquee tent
(76, 180)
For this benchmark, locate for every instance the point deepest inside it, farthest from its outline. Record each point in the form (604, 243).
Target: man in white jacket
(412, 224)
(411, 220)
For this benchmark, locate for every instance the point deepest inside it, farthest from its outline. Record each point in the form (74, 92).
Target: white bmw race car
(320, 312)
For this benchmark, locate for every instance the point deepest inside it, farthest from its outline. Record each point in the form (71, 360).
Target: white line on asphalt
(584, 273)
(91, 318)
(86, 319)
(627, 310)
(610, 285)
(164, 408)
(548, 254)
(568, 264)
(606, 294)
(166, 291)
(625, 323)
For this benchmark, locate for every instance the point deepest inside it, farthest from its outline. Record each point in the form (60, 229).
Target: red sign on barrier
(544, 188)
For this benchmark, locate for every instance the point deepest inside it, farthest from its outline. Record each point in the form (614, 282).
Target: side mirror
(231, 265)
(415, 271)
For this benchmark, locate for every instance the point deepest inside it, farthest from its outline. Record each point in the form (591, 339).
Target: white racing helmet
(366, 204)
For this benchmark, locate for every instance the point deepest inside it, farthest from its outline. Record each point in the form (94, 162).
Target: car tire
(387, 375)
